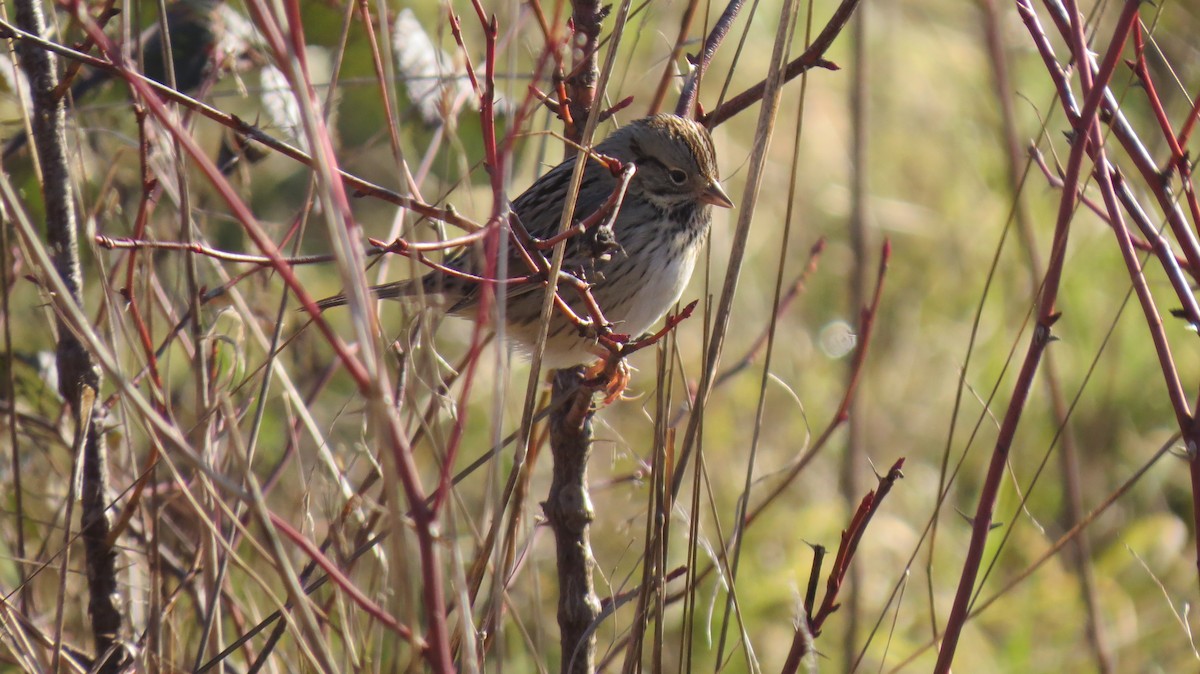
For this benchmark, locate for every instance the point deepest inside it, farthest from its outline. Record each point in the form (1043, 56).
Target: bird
(659, 231)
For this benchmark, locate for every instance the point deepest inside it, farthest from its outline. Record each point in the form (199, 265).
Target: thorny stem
(813, 57)
(1055, 181)
(851, 536)
(1053, 550)
(1069, 456)
(1086, 132)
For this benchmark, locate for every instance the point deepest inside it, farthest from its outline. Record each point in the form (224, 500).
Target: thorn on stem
(619, 106)
(1042, 333)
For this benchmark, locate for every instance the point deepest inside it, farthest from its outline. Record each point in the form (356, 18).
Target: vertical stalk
(78, 376)
(568, 507)
(1087, 132)
(568, 510)
(1080, 548)
(859, 280)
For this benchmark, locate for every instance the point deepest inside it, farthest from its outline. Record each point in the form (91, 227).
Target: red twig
(554, 106)
(135, 243)
(626, 348)
(381, 79)
(1055, 180)
(1189, 425)
(1086, 132)
(106, 14)
(851, 536)
(413, 251)
(403, 246)
(1185, 134)
(813, 57)
(850, 540)
(1179, 158)
(335, 574)
(360, 186)
(564, 109)
(1162, 248)
(596, 321)
(491, 242)
(614, 108)
(604, 216)
(456, 31)
(668, 74)
(458, 273)
(1138, 65)
(1150, 171)
(150, 192)
(241, 211)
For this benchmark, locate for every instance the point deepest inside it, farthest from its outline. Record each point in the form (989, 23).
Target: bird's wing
(539, 209)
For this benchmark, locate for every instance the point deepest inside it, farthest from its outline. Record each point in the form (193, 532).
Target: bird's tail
(387, 291)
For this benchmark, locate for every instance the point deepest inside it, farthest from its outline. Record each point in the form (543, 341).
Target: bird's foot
(611, 375)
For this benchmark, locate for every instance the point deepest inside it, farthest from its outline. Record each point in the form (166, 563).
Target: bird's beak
(714, 195)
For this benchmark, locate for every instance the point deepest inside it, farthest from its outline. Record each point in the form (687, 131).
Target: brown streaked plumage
(662, 222)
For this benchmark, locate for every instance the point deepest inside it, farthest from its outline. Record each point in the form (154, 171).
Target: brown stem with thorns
(851, 536)
(1086, 136)
(813, 57)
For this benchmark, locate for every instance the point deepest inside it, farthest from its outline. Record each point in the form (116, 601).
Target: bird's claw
(611, 375)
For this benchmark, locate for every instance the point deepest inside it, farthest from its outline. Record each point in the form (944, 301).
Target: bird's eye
(678, 176)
